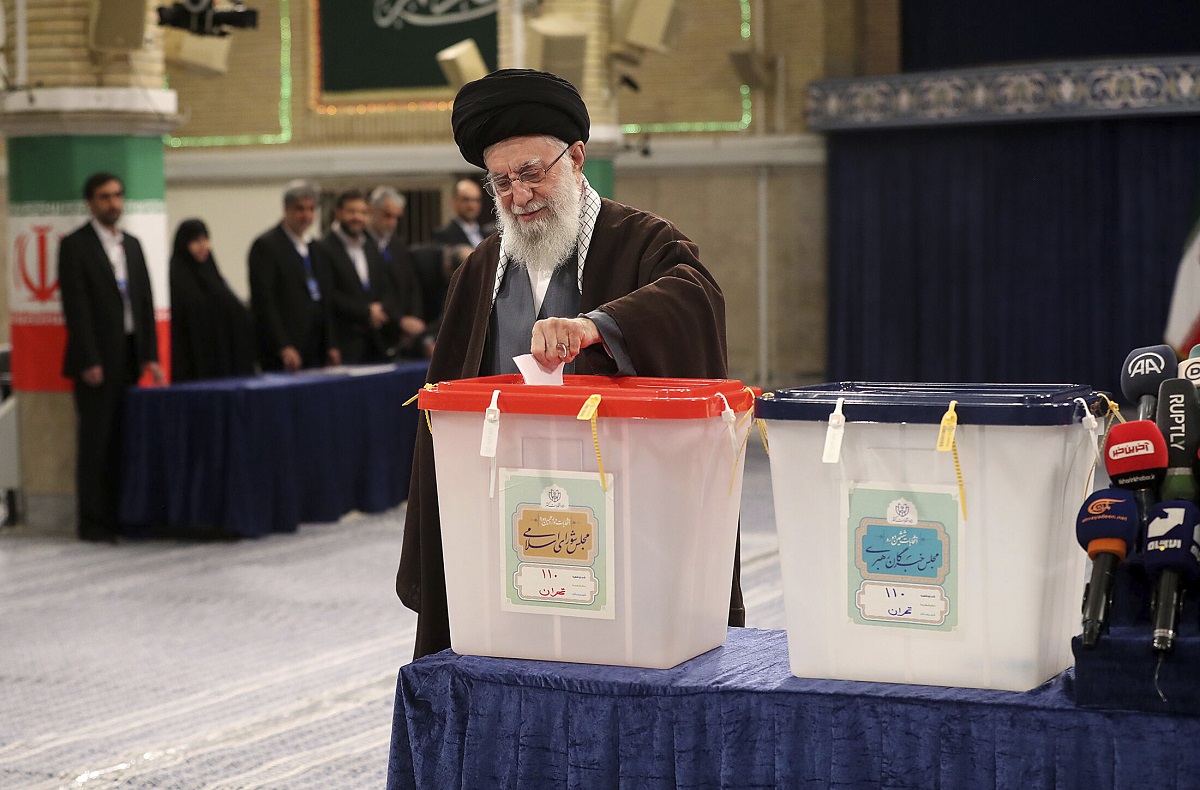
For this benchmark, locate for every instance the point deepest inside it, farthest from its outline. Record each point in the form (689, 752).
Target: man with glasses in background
(465, 226)
(571, 278)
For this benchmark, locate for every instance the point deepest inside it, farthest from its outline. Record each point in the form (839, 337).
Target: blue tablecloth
(736, 718)
(1121, 671)
(250, 456)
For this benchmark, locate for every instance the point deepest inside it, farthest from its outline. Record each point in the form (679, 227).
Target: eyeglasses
(501, 186)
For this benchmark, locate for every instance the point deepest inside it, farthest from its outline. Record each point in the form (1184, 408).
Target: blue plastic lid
(895, 402)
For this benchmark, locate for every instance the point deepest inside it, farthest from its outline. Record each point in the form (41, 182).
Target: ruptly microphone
(1144, 370)
(1171, 556)
(1135, 457)
(1178, 418)
(1106, 527)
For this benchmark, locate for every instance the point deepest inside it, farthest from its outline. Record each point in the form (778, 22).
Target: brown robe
(641, 271)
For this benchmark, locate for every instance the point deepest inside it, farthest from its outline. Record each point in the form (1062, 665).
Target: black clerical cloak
(641, 271)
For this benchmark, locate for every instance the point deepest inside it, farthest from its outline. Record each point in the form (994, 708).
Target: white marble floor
(256, 664)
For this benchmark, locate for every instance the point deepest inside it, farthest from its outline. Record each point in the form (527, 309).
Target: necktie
(314, 290)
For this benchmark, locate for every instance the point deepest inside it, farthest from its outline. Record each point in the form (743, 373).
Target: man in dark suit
(464, 227)
(363, 300)
(385, 207)
(109, 313)
(434, 266)
(290, 286)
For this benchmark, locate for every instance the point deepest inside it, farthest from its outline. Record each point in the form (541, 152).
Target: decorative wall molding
(1048, 91)
(281, 163)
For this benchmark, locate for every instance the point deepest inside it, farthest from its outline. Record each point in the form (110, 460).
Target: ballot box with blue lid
(926, 531)
(591, 522)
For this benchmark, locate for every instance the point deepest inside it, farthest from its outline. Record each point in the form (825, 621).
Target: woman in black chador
(212, 334)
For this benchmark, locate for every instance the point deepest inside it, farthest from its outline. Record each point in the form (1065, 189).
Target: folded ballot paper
(534, 373)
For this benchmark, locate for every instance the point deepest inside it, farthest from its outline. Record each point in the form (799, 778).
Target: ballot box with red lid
(591, 522)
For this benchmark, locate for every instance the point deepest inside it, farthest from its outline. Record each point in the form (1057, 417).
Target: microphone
(1190, 368)
(1179, 420)
(1171, 555)
(1106, 527)
(1144, 370)
(1135, 457)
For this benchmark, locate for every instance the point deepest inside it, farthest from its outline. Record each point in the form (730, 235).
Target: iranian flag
(46, 176)
(1183, 320)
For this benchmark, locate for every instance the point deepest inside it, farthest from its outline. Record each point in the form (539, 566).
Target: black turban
(516, 102)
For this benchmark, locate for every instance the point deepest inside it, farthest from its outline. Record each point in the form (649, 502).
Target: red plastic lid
(633, 396)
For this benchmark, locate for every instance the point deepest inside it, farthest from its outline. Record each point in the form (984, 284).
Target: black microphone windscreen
(1178, 418)
(1145, 369)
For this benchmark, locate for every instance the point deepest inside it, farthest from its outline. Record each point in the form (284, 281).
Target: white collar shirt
(355, 248)
(299, 242)
(472, 230)
(113, 242)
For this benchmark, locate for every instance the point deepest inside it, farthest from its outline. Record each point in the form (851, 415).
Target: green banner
(599, 174)
(392, 45)
(52, 169)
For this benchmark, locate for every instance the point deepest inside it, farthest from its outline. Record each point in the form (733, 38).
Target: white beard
(543, 244)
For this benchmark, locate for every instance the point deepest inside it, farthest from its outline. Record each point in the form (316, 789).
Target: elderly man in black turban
(570, 277)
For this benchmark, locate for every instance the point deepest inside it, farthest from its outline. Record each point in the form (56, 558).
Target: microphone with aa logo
(1135, 457)
(1144, 370)
(1172, 557)
(1106, 528)
(1179, 420)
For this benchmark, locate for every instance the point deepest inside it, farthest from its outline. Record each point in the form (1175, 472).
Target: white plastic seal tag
(833, 435)
(730, 422)
(491, 434)
(1092, 425)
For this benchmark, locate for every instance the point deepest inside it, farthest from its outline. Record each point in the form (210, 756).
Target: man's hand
(558, 340)
(334, 356)
(155, 371)
(379, 316)
(93, 376)
(411, 325)
(291, 358)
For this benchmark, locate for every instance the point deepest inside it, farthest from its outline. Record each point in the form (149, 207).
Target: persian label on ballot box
(903, 548)
(557, 533)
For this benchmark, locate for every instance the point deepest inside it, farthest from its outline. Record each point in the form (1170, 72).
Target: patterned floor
(255, 664)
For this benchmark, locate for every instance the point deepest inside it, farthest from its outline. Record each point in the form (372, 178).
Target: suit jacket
(398, 263)
(452, 233)
(93, 308)
(285, 314)
(351, 303)
(428, 266)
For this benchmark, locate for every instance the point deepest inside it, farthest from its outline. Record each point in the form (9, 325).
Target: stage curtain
(1039, 252)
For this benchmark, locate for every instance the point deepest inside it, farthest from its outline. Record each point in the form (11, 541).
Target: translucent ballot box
(906, 563)
(593, 522)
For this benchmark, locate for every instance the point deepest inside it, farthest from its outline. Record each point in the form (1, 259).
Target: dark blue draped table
(250, 456)
(736, 718)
